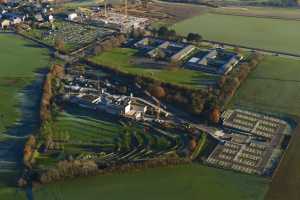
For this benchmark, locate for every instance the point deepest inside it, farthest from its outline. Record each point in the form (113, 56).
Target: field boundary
(255, 16)
(253, 48)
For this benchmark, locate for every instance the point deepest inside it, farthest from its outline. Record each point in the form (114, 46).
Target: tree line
(77, 168)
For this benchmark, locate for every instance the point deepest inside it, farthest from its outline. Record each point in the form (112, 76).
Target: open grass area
(181, 182)
(273, 86)
(19, 61)
(285, 13)
(270, 34)
(85, 128)
(122, 59)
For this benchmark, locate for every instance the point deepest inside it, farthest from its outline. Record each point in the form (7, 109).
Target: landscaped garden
(270, 34)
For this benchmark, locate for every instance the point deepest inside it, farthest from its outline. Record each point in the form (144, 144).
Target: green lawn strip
(271, 34)
(121, 59)
(273, 86)
(180, 182)
(199, 146)
(86, 129)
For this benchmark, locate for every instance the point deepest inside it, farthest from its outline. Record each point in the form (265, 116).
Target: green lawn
(19, 60)
(121, 58)
(273, 34)
(273, 86)
(87, 129)
(182, 182)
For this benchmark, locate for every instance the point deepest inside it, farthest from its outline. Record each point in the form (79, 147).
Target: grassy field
(273, 86)
(271, 34)
(181, 182)
(285, 184)
(121, 58)
(285, 13)
(85, 128)
(19, 60)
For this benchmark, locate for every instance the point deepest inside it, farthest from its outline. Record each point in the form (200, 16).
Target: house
(50, 18)
(5, 24)
(72, 16)
(13, 18)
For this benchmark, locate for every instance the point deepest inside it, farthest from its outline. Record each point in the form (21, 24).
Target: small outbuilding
(72, 16)
(5, 24)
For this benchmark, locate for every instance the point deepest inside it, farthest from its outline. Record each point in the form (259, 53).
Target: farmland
(181, 182)
(272, 86)
(284, 13)
(122, 59)
(270, 34)
(15, 74)
(285, 184)
(20, 60)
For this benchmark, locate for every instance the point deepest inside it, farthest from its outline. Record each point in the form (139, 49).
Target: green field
(285, 13)
(121, 58)
(86, 128)
(181, 182)
(19, 60)
(285, 183)
(271, 34)
(273, 86)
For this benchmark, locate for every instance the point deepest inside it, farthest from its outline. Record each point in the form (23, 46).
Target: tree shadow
(30, 96)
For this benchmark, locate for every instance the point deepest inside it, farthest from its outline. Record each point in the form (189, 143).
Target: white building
(51, 18)
(72, 16)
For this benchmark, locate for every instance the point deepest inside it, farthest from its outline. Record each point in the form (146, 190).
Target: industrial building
(215, 61)
(173, 51)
